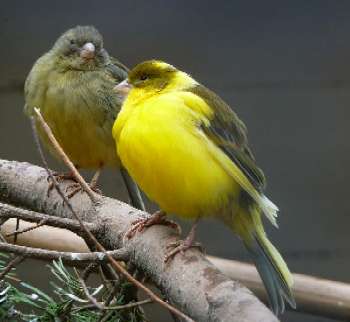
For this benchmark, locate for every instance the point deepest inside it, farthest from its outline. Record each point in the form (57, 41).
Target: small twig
(9, 211)
(3, 220)
(116, 307)
(87, 293)
(111, 295)
(2, 238)
(39, 253)
(12, 263)
(18, 232)
(106, 270)
(93, 196)
(12, 278)
(106, 316)
(107, 273)
(128, 295)
(88, 270)
(17, 228)
(129, 305)
(114, 263)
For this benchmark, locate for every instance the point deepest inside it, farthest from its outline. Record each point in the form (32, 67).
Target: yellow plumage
(195, 191)
(167, 140)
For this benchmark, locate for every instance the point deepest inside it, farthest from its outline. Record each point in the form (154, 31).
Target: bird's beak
(123, 88)
(87, 51)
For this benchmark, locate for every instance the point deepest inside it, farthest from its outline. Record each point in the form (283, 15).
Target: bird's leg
(93, 185)
(180, 246)
(94, 180)
(158, 218)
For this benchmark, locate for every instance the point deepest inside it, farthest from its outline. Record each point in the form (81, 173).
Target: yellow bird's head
(152, 77)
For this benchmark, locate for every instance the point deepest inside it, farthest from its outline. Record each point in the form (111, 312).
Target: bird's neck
(181, 81)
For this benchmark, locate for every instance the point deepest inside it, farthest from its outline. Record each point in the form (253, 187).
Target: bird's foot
(59, 177)
(180, 246)
(158, 218)
(75, 187)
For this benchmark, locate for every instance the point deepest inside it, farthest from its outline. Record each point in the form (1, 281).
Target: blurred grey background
(282, 65)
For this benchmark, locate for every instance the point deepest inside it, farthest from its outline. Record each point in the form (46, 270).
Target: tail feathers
(273, 272)
(269, 209)
(133, 190)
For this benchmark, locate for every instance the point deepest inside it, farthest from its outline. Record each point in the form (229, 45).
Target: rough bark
(314, 295)
(190, 281)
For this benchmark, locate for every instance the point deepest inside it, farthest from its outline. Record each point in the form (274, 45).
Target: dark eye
(144, 77)
(72, 42)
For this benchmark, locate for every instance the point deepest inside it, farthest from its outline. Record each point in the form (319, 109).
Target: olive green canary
(72, 84)
(189, 152)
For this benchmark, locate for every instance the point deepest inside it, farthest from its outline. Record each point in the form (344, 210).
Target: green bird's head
(80, 48)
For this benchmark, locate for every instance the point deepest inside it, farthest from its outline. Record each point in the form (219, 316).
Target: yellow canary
(188, 151)
(72, 84)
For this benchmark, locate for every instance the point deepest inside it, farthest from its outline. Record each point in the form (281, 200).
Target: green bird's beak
(88, 51)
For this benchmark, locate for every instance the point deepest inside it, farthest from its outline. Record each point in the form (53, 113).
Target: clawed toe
(59, 177)
(158, 218)
(50, 187)
(137, 226)
(173, 225)
(173, 244)
(76, 187)
(180, 246)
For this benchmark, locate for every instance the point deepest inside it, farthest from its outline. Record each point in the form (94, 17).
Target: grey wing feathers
(117, 69)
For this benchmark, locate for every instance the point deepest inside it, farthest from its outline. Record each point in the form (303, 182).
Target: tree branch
(18, 231)
(45, 237)
(39, 253)
(9, 211)
(91, 240)
(12, 263)
(314, 295)
(190, 282)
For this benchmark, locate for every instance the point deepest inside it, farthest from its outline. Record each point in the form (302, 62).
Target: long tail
(272, 268)
(133, 190)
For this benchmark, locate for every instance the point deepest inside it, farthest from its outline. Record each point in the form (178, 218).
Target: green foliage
(69, 302)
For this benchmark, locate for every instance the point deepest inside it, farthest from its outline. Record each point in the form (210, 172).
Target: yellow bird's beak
(123, 88)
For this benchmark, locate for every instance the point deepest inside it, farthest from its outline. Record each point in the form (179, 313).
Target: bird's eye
(144, 77)
(72, 42)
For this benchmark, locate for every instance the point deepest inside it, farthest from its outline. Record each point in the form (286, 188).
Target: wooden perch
(190, 282)
(314, 295)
